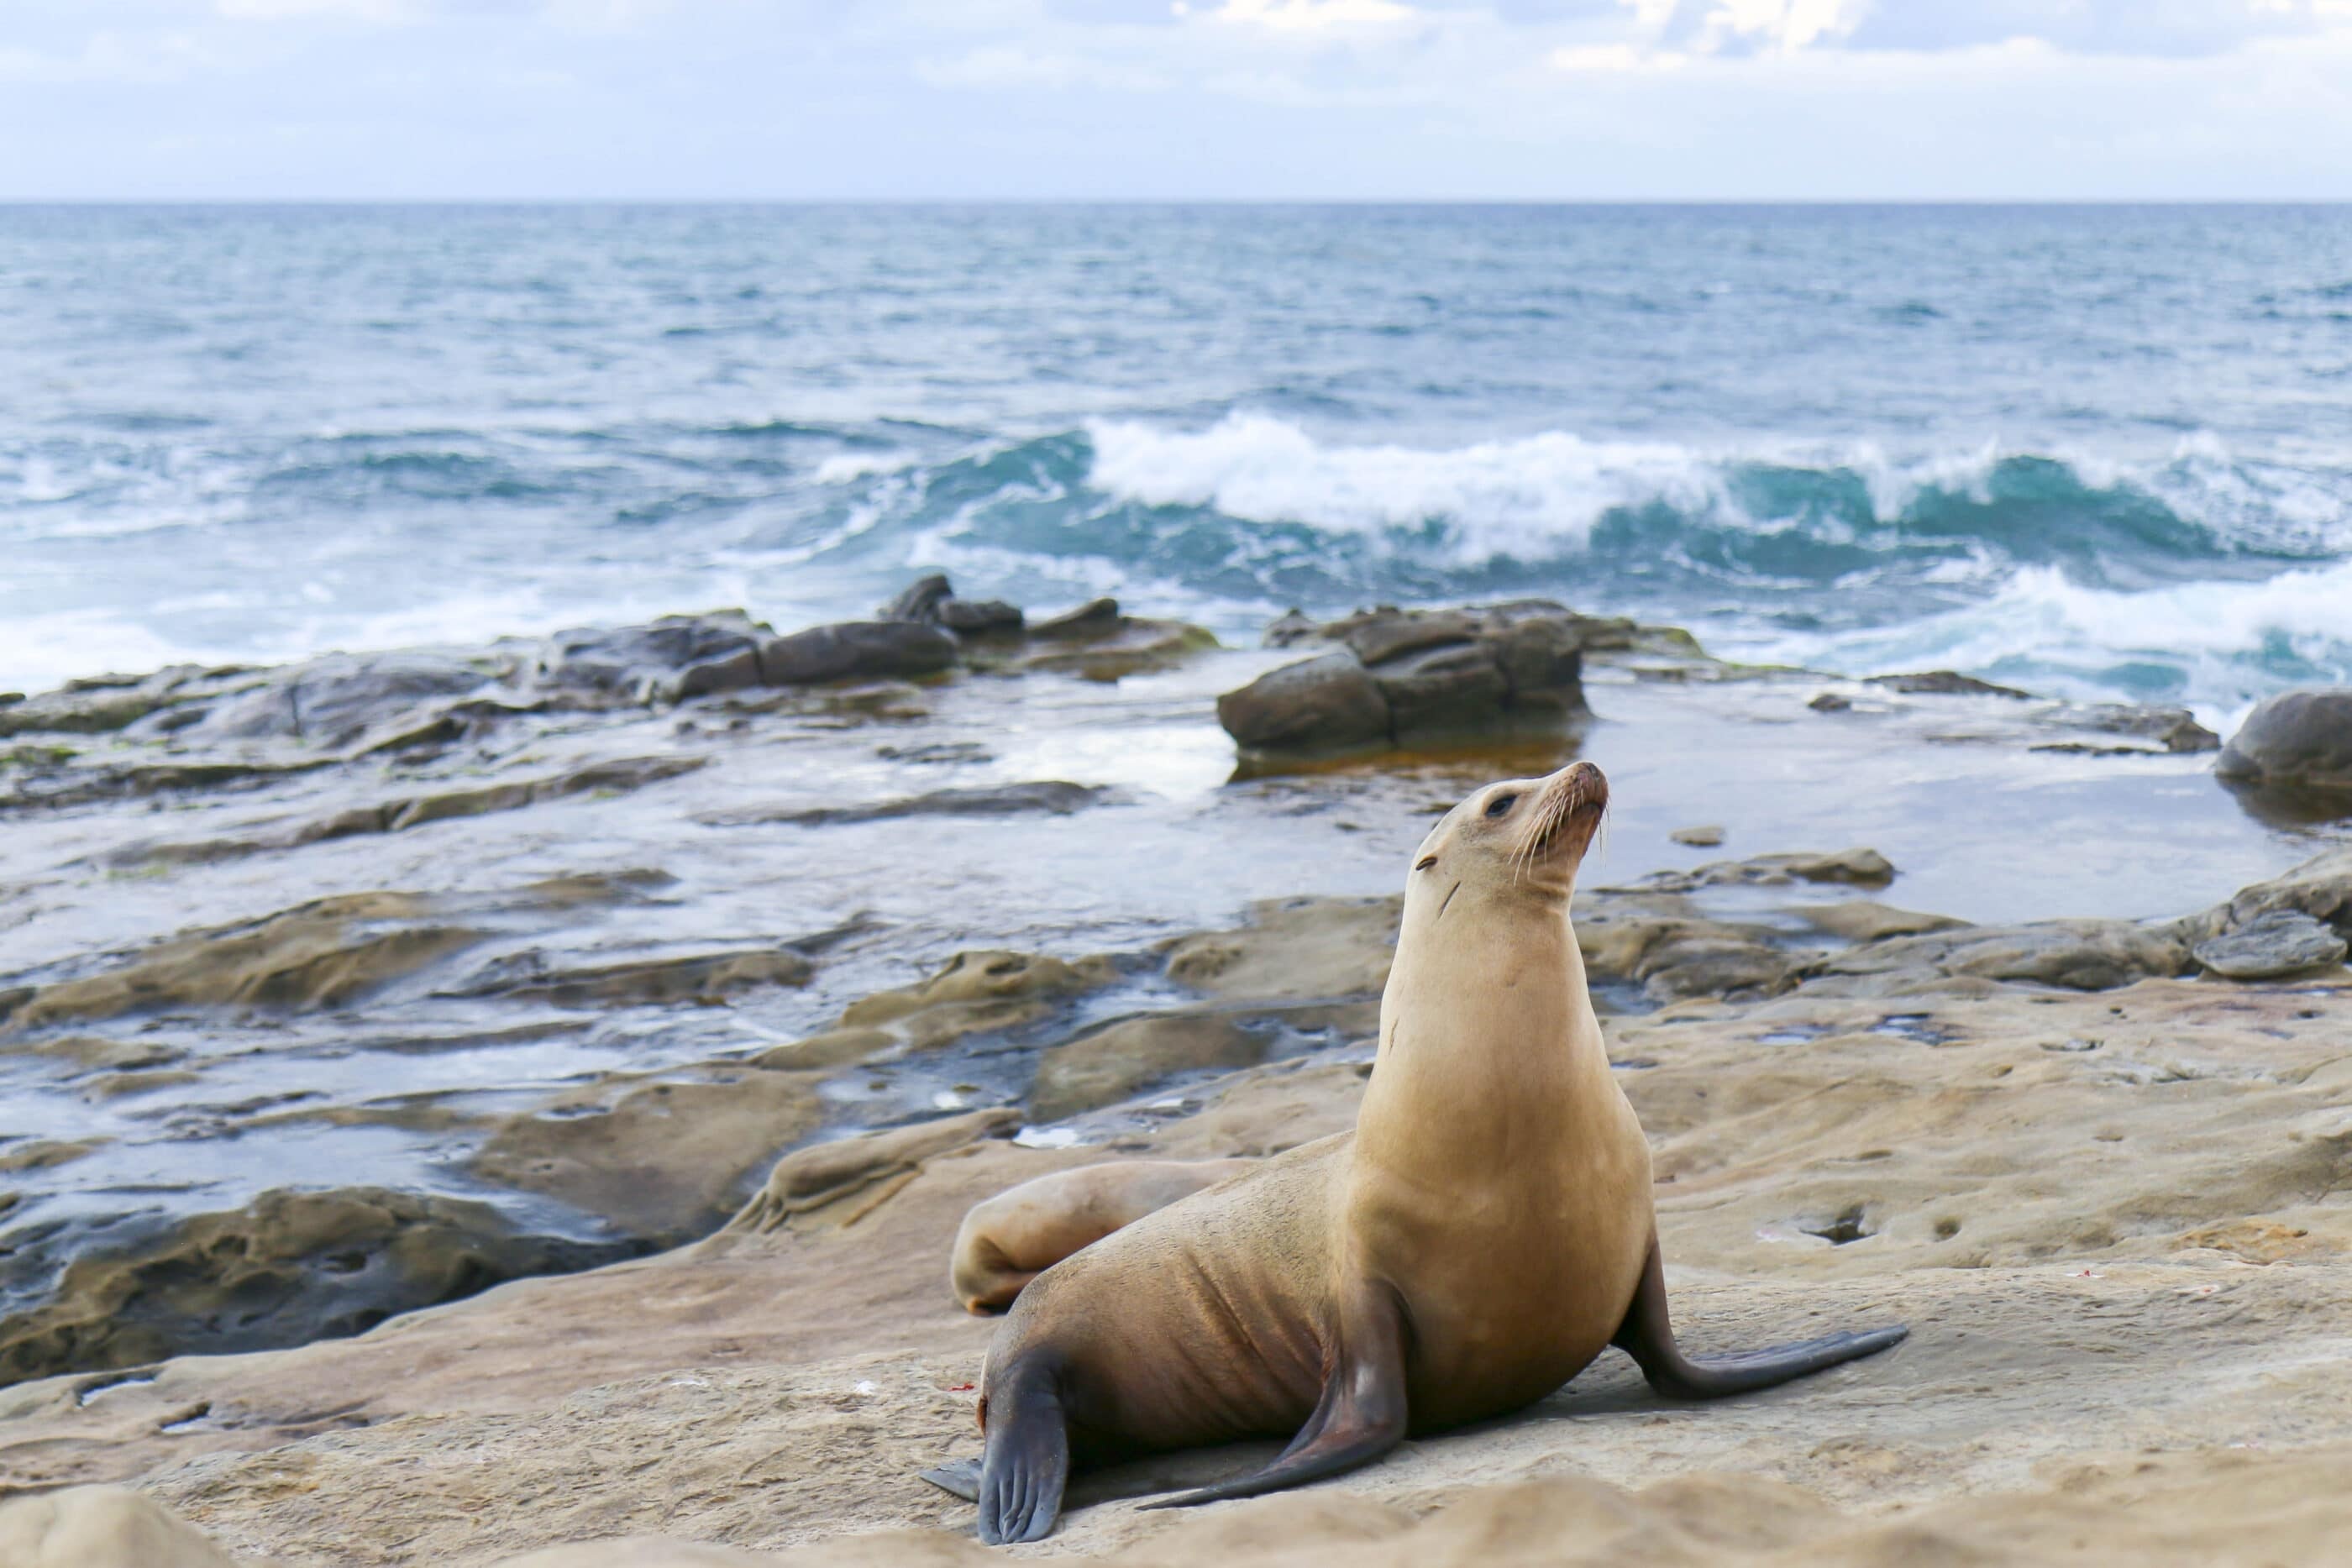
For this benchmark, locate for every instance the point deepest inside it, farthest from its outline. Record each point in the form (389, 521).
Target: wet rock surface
(579, 963)
(2087, 1205)
(2282, 942)
(289, 1269)
(2297, 739)
(1396, 676)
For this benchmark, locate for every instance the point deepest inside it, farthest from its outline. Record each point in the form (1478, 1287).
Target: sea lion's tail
(1648, 1336)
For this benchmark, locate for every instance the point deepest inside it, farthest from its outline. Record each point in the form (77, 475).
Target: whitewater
(2103, 451)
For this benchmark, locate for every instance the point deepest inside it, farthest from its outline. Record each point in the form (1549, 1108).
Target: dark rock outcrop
(2300, 739)
(932, 601)
(1944, 683)
(856, 650)
(326, 703)
(1396, 676)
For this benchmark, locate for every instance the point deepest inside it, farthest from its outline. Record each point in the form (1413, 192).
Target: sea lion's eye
(1424, 863)
(1500, 806)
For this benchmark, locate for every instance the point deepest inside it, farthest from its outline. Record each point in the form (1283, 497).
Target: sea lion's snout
(1587, 782)
(1568, 810)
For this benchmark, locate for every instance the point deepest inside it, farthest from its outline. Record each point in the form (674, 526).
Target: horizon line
(224, 203)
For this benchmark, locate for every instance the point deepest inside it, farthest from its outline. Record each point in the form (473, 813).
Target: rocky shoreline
(559, 946)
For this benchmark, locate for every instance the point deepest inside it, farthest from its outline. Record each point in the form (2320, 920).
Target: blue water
(2099, 450)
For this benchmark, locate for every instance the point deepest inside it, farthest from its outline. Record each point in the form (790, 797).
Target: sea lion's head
(1522, 837)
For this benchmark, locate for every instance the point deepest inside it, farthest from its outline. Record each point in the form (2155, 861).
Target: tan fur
(1009, 1239)
(1496, 1182)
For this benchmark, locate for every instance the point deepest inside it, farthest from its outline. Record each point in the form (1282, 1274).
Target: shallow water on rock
(126, 1118)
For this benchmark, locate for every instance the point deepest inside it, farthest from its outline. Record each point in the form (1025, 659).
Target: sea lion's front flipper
(1360, 1417)
(959, 1478)
(1027, 1460)
(1647, 1335)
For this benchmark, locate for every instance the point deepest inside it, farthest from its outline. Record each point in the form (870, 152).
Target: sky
(1176, 99)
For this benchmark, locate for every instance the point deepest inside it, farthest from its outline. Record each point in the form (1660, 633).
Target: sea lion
(1483, 1233)
(1008, 1241)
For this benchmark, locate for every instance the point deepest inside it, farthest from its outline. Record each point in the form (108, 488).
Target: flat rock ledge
(400, 703)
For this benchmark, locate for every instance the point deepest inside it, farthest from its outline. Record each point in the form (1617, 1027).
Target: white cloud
(1005, 64)
(1528, 98)
(286, 10)
(1314, 15)
(1614, 58)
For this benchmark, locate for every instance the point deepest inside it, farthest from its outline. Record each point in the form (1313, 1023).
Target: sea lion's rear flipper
(1027, 1460)
(959, 1478)
(1360, 1417)
(1648, 1336)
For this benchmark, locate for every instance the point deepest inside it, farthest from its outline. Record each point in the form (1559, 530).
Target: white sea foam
(843, 467)
(1536, 497)
(1529, 496)
(2037, 617)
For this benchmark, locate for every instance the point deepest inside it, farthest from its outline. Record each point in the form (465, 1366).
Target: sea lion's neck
(1488, 1041)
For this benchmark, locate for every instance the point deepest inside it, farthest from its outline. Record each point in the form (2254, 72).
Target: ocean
(2098, 451)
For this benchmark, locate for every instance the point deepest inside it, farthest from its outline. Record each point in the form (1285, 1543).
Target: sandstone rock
(1672, 951)
(2280, 942)
(1328, 702)
(621, 776)
(1097, 641)
(1399, 675)
(328, 703)
(2297, 738)
(975, 992)
(1855, 867)
(2320, 887)
(2175, 729)
(1944, 683)
(663, 1162)
(703, 979)
(1866, 920)
(1294, 950)
(855, 651)
(96, 1053)
(1093, 619)
(676, 656)
(865, 1168)
(1704, 838)
(1112, 1063)
(102, 1527)
(1458, 687)
(113, 703)
(931, 600)
(40, 1154)
(289, 1268)
(1053, 796)
(833, 1048)
(2078, 955)
(320, 955)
